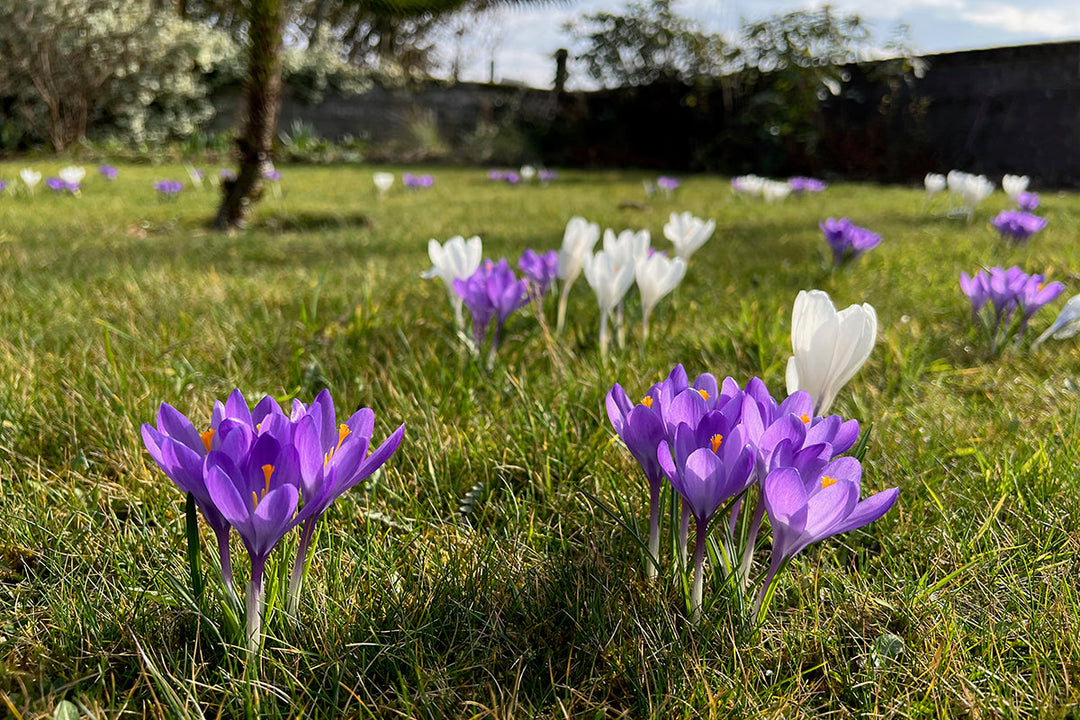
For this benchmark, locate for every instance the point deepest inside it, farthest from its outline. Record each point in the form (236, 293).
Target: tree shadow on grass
(286, 222)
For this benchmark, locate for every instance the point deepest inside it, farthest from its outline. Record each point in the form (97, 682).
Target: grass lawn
(533, 603)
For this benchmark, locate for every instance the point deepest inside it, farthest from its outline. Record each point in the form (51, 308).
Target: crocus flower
(579, 239)
(847, 240)
(491, 291)
(800, 185)
(541, 271)
(1034, 295)
(30, 178)
(168, 189)
(748, 185)
(108, 172)
(1066, 325)
(829, 346)
(528, 172)
(805, 509)
(333, 459)
(1005, 291)
(3, 186)
(273, 175)
(227, 175)
(1013, 185)
(656, 276)
(383, 181)
(977, 291)
(972, 189)
(253, 480)
(687, 233)
(773, 191)
(609, 280)
(547, 176)
(496, 175)
(511, 177)
(417, 181)
(641, 428)
(628, 246)
(705, 478)
(457, 259)
(1017, 226)
(667, 184)
(72, 174)
(934, 183)
(59, 185)
(1027, 201)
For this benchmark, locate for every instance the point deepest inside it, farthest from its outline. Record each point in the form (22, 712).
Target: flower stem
(604, 339)
(760, 606)
(684, 531)
(652, 566)
(644, 327)
(298, 565)
(255, 607)
(699, 571)
(226, 563)
(560, 319)
(751, 540)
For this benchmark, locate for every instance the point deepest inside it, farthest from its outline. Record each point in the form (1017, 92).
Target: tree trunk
(266, 26)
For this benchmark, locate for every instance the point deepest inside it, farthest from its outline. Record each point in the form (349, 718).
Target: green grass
(533, 605)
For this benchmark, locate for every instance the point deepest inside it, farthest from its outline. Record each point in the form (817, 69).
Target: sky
(522, 42)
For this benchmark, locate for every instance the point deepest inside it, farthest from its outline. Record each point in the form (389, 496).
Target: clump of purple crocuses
(722, 450)
(1004, 301)
(262, 472)
(227, 175)
(847, 240)
(541, 271)
(547, 176)
(168, 189)
(417, 181)
(667, 184)
(58, 185)
(108, 172)
(800, 185)
(492, 292)
(1017, 225)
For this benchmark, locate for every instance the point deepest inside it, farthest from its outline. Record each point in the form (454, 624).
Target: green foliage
(75, 64)
(647, 43)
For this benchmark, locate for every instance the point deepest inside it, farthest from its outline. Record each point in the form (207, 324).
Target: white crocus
(687, 233)
(30, 178)
(383, 181)
(1013, 185)
(626, 248)
(656, 276)
(829, 346)
(578, 242)
(1066, 325)
(934, 183)
(72, 174)
(610, 281)
(527, 172)
(457, 259)
(773, 191)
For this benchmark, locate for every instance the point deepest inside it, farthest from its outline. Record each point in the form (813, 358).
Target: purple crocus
(541, 271)
(168, 189)
(227, 174)
(491, 292)
(847, 240)
(59, 185)
(108, 172)
(547, 176)
(806, 508)
(496, 175)
(705, 478)
(800, 185)
(3, 186)
(1035, 294)
(511, 177)
(1003, 292)
(1017, 225)
(417, 181)
(333, 459)
(667, 184)
(1027, 201)
(272, 175)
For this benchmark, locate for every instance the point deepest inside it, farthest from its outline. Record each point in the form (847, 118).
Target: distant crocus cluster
(168, 189)
(510, 177)
(847, 240)
(970, 189)
(108, 172)
(1027, 201)
(1004, 301)
(1017, 225)
(667, 184)
(262, 472)
(59, 186)
(800, 185)
(770, 191)
(417, 181)
(727, 451)
(492, 292)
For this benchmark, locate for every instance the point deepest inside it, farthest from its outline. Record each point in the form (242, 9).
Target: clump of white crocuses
(456, 259)
(579, 239)
(687, 233)
(934, 183)
(30, 178)
(970, 189)
(829, 346)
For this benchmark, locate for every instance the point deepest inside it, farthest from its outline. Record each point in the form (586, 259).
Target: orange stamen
(268, 470)
(254, 500)
(704, 394)
(716, 440)
(207, 437)
(647, 401)
(343, 433)
(805, 418)
(826, 481)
